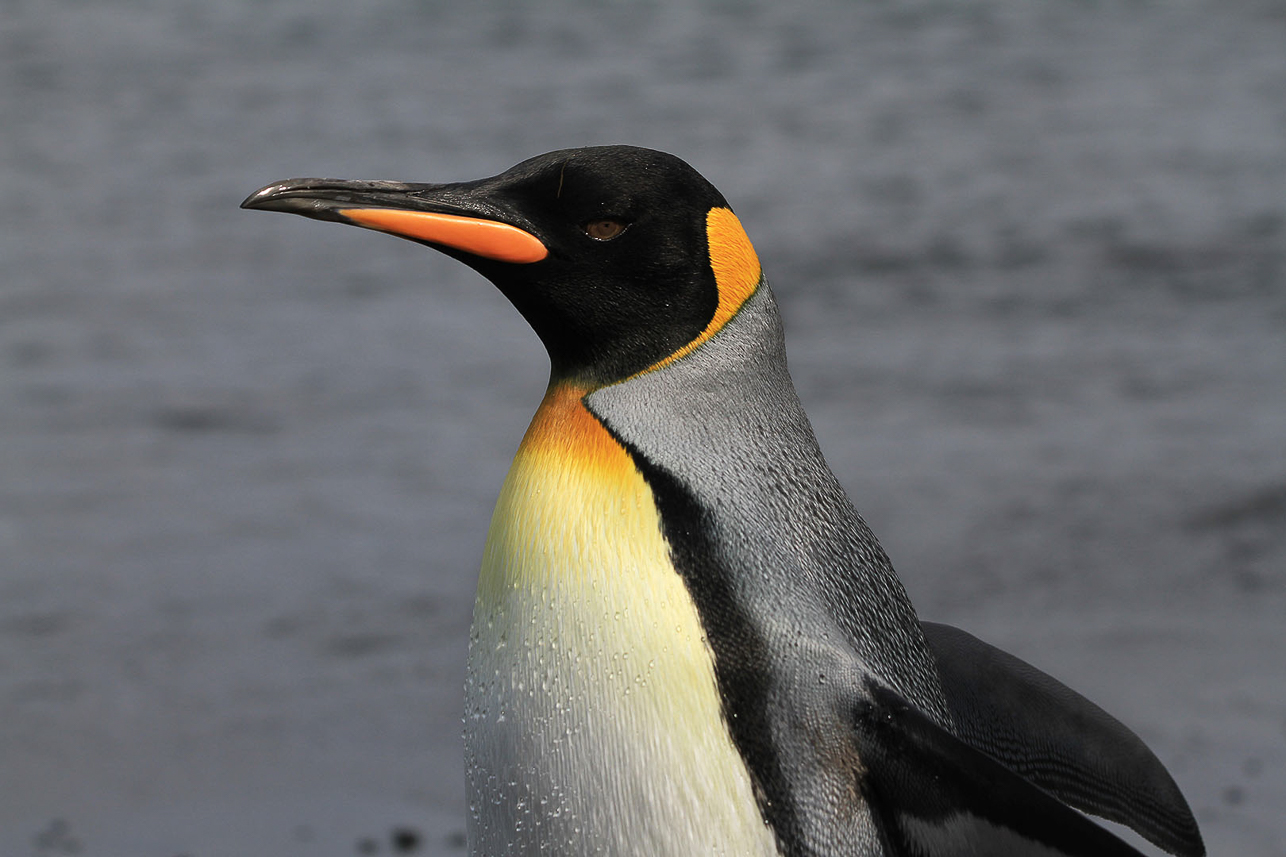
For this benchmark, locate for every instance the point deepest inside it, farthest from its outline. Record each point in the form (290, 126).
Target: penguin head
(621, 259)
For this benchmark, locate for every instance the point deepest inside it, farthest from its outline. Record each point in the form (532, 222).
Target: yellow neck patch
(736, 275)
(563, 430)
(568, 471)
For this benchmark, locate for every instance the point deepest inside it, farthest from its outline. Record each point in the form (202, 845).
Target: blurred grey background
(1032, 259)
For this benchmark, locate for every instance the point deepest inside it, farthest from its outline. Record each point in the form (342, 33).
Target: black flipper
(932, 795)
(1059, 740)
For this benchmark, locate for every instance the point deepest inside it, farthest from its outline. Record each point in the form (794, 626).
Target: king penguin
(685, 640)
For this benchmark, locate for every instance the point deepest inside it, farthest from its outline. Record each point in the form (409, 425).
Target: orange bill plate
(487, 238)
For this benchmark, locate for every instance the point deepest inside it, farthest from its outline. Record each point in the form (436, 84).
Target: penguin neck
(565, 457)
(722, 431)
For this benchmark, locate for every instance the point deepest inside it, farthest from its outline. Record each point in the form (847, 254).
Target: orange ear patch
(487, 238)
(736, 275)
(735, 263)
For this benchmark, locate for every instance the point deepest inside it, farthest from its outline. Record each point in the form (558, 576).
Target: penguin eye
(604, 230)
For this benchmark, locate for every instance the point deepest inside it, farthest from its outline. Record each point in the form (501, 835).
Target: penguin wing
(932, 795)
(1059, 740)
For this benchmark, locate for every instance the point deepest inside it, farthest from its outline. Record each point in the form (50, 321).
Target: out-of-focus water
(1033, 264)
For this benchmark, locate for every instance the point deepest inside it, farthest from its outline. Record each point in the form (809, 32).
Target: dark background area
(1032, 260)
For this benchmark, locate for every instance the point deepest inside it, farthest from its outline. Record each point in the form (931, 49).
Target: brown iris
(604, 230)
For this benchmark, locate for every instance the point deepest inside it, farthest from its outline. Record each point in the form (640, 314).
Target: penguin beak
(446, 216)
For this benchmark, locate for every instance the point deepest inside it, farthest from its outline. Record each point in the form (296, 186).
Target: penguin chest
(593, 721)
